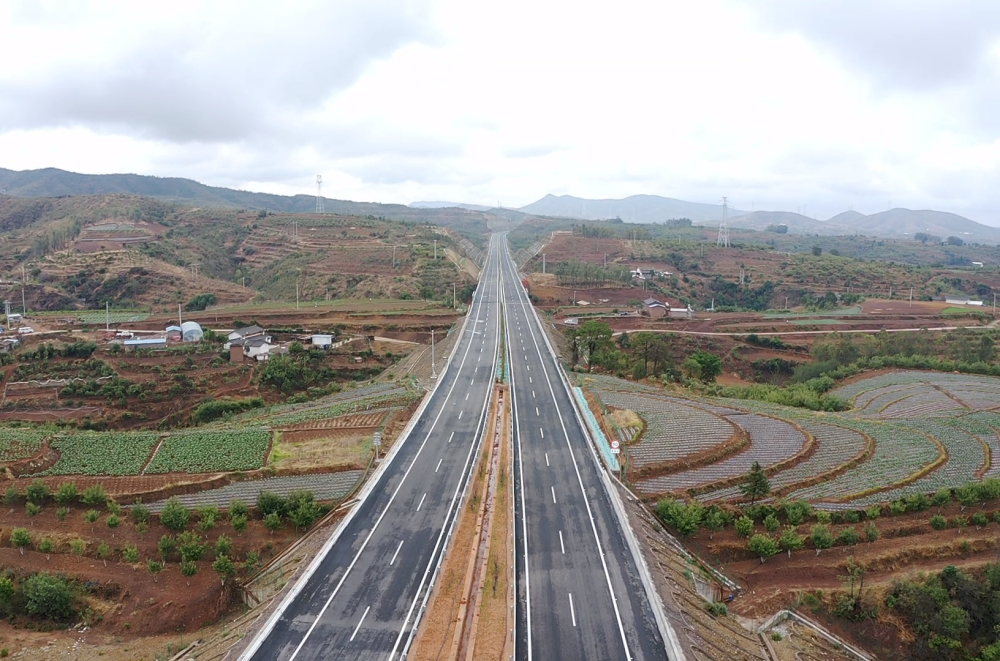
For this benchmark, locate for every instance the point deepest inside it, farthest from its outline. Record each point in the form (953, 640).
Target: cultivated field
(910, 433)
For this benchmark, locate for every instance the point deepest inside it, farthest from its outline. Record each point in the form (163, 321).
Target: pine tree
(756, 485)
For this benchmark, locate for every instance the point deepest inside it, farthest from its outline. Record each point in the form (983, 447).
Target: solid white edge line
(365, 492)
(365, 614)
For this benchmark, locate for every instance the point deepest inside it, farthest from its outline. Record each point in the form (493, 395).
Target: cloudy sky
(778, 104)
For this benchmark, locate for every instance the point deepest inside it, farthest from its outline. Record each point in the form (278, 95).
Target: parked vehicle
(25, 330)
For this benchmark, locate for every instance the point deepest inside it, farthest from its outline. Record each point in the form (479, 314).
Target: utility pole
(180, 321)
(434, 373)
(911, 297)
(786, 302)
(994, 305)
(296, 295)
(435, 249)
(394, 257)
(605, 260)
(543, 262)
(107, 315)
(454, 297)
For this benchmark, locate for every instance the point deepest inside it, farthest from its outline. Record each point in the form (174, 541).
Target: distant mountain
(634, 209)
(449, 205)
(895, 223)
(52, 182)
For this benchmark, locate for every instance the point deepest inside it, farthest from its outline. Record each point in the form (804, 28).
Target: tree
(270, 503)
(94, 495)
(36, 492)
(790, 540)
(191, 546)
(762, 546)
(66, 493)
(104, 552)
(771, 523)
(91, 516)
(954, 241)
(238, 508)
(821, 536)
(756, 484)
(6, 590)
(711, 365)
(744, 526)
(154, 567)
(594, 337)
(817, 251)
(239, 524)
(48, 596)
(272, 522)
(45, 545)
(304, 515)
(200, 302)
(114, 521)
(20, 537)
(166, 546)
(188, 569)
(174, 515)
(139, 513)
(130, 554)
(224, 567)
(223, 545)
(32, 510)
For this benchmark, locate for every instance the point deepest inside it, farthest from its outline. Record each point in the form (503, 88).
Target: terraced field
(912, 432)
(324, 486)
(19, 443)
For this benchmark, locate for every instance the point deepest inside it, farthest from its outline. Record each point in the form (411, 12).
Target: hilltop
(633, 209)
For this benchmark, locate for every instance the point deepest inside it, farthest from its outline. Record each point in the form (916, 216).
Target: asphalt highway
(365, 594)
(580, 596)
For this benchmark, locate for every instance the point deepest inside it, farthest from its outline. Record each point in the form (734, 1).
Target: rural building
(961, 301)
(243, 333)
(323, 341)
(257, 348)
(145, 343)
(13, 319)
(174, 333)
(655, 308)
(9, 344)
(681, 313)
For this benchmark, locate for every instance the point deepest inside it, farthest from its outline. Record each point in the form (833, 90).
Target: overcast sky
(801, 106)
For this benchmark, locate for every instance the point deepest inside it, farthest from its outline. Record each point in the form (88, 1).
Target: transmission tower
(319, 193)
(724, 227)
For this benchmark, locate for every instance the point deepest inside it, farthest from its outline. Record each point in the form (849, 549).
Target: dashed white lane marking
(466, 396)
(542, 432)
(546, 458)
(572, 612)
(553, 495)
(396, 553)
(363, 616)
(561, 545)
(451, 437)
(460, 414)
(421, 503)
(536, 411)
(530, 381)
(532, 394)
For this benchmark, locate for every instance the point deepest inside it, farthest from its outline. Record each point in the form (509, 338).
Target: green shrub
(771, 523)
(917, 502)
(871, 532)
(66, 494)
(36, 492)
(941, 497)
(717, 608)
(959, 521)
(821, 536)
(938, 522)
(48, 596)
(979, 520)
(744, 526)
(174, 515)
(797, 512)
(94, 495)
(897, 507)
(848, 537)
(873, 512)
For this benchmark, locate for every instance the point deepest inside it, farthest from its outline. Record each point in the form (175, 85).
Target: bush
(61, 513)
(66, 493)
(130, 554)
(959, 522)
(821, 536)
(790, 540)
(762, 546)
(941, 497)
(238, 508)
(717, 608)
(967, 495)
(873, 512)
(94, 495)
(797, 512)
(191, 546)
(200, 302)
(979, 520)
(48, 596)
(139, 513)
(219, 408)
(270, 503)
(272, 522)
(938, 522)
(871, 532)
(685, 518)
(36, 492)
(744, 526)
(897, 507)
(771, 523)
(917, 502)
(848, 537)
(174, 515)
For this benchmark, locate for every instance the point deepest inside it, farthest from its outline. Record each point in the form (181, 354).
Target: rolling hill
(633, 209)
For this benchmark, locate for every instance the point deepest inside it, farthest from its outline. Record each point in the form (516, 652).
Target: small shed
(320, 340)
(145, 343)
(174, 333)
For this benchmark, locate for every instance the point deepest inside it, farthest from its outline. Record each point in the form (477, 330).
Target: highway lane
(579, 591)
(365, 595)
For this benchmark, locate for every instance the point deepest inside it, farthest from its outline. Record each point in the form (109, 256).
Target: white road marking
(460, 414)
(542, 432)
(451, 437)
(572, 612)
(532, 394)
(466, 396)
(396, 553)
(421, 503)
(439, 464)
(561, 545)
(363, 616)
(553, 494)
(546, 458)
(536, 411)
(530, 381)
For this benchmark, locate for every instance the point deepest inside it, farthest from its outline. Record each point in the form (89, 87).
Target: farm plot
(921, 405)
(980, 400)
(324, 486)
(102, 453)
(206, 451)
(17, 443)
(985, 425)
(965, 458)
(115, 317)
(878, 392)
(900, 453)
(772, 441)
(835, 446)
(863, 400)
(673, 430)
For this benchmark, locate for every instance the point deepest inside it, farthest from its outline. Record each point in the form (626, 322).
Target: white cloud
(775, 104)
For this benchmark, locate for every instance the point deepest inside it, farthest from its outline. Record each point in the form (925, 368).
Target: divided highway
(580, 595)
(364, 593)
